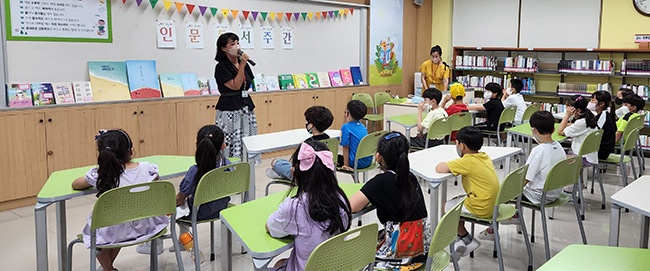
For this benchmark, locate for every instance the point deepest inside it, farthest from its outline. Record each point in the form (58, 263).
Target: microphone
(250, 61)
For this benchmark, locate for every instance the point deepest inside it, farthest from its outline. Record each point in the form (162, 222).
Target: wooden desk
(633, 197)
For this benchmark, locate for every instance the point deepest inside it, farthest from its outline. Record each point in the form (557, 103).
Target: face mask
(458, 151)
(427, 107)
(509, 91)
(591, 106)
(622, 111)
(307, 127)
(234, 50)
(487, 95)
(618, 101)
(536, 137)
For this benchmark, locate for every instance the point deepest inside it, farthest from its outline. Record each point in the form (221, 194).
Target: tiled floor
(18, 249)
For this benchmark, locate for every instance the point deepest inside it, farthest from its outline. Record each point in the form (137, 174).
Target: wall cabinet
(190, 117)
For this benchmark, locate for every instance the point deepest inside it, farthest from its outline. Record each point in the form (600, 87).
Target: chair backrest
(634, 122)
(133, 202)
(333, 145)
(591, 142)
(351, 250)
(368, 145)
(460, 120)
(381, 98)
(508, 114)
(222, 182)
(446, 231)
(439, 128)
(563, 173)
(365, 99)
(631, 138)
(532, 108)
(512, 186)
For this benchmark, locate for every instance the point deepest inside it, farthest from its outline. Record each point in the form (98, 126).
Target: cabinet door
(327, 98)
(123, 117)
(281, 108)
(157, 129)
(302, 101)
(70, 136)
(190, 117)
(261, 102)
(343, 96)
(23, 161)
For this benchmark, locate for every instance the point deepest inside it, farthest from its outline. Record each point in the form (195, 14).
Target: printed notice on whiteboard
(65, 20)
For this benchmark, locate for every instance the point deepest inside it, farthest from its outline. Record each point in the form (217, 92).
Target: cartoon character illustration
(101, 27)
(385, 61)
(302, 83)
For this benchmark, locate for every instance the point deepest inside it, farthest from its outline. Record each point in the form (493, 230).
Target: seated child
(317, 120)
(512, 97)
(598, 103)
(431, 103)
(620, 95)
(480, 183)
(351, 134)
(456, 93)
(493, 107)
(400, 205)
(633, 103)
(584, 123)
(318, 211)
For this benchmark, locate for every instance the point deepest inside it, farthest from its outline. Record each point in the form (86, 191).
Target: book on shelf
(272, 82)
(300, 81)
(466, 62)
(582, 89)
(212, 84)
(190, 84)
(63, 93)
(19, 95)
(520, 64)
(259, 83)
(43, 94)
(323, 80)
(357, 77)
(635, 67)
(204, 86)
(83, 92)
(143, 79)
(171, 85)
(335, 78)
(478, 81)
(109, 80)
(312, 80)
(596, 66)
(553, 108)
(286, 81)
(529, 85)
(346, 77)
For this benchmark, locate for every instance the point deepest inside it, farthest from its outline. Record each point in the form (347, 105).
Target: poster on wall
(194, 38)
(267, 37)
(166, 33)
(246, 36)
(59, 20)
(385, 67)
(220, 28)
(287, 38)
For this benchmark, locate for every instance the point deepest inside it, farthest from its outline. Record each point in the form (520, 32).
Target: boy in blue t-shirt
(351, 134)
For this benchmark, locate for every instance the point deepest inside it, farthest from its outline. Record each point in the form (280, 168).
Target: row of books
(553, 108)
(641, 90)
(635, 67)
(596, 66)
(24, 94)
(478, 81)
(645, 139)
(476, 63)
(582, 89)
(529, 85)
(520, 64)
(342, 77)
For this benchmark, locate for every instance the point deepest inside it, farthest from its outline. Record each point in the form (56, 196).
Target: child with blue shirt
(351, 134)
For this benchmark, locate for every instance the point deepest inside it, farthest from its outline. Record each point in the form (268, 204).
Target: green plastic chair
(511, 188)
(367, 147)
(351, 250)
(459, 121)
(218, 183)
(380, 99)
(591, 144)
(563, 173)
(438, 129)
(367, 100)
(636, 121)
(532, 108)
(118, 206)
(507, 118)
(443, 237)
(627, 145)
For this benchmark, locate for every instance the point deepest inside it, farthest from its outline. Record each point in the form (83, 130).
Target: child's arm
(445, 100)
(477, 107)
(346, 158)
(565, 121)
(420, 110)
(180, 198)
(442, 168)
(619, 134)
(80, 183)
(358, 201)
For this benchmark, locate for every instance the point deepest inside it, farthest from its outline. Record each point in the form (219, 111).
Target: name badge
(244, 94)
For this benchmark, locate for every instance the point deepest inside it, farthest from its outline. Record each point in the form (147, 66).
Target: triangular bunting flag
(245, 12)
(324, 14)
(296, 15)
(234, 13)
(331, 14)
(139, 2)
(167, 4)
(351, 11)
(213, 11)
(310, 15)
(190, 7)
(179, 6)
(271, 16)
(254, 13)
(288, 14)
(341, 12)
(304, 15)
(263, 15)
(123, 1)
(202, 9)
(153, 3)
(224, 12)
(318, 14)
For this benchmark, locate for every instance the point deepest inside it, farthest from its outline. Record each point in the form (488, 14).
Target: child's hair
(517, 84)
(625, 91)
(543, 121)
(432, 94)
(634, 100)
(114, 147)
(603, 97)
(494, 88)
(325, 196)
(394, 148)
(436, 48)
(320, 116)
(471, 136)
(580, 103)
(357, 109)
(223, 41)
(209, 140)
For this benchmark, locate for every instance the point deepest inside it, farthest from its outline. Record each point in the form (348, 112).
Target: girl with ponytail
(584, 123)
(400, 206)
(116, 169)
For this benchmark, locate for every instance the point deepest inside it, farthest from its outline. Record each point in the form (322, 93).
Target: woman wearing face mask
(622, 93)
(598, 103)
(493, 106)
(435, 72)
(235, 114)
(583, 124)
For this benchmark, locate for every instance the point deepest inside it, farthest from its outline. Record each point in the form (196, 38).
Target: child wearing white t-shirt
(512, 97)
(584, 123)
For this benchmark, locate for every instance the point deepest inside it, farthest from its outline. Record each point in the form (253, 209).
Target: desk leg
(40, 221)
(508, 140)
(443, 197)
(645, 225)
(250, 195)
(226, 248)
(433, 206)
(614, 224)
(61, 234)
(388, 124)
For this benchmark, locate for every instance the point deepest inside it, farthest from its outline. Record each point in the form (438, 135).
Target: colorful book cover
(143, 79)
(204, 87)
(259, 83)
(19, 95)
(335, 78)
(43, 94)
(312, 80)
(346, 77)
(83, 93)
(171, 85)
(324, 80)
(357, 78)
(214, 89)
(190, 84)
(109, 81)
(63, 93)
(286, 81)
(300, 81)
(272, 83)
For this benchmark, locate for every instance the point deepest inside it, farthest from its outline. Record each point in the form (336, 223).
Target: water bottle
(187, 241)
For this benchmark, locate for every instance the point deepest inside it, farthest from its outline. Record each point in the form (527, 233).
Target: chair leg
(545, 229)
(153, 255)
(624, 171)
(68, 267)
(497, 244)
(453, 259)
(177, 247)
(212, 252)
(602, 189)
(197, 252)
(522, 225)
(634, 176)
(532, 226)
(582, 199)
(582, 229)
(593, 176)
(471, 254)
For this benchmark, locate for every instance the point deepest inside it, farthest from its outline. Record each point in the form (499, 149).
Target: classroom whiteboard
(485, 23)
(319, 45)
(560, 23)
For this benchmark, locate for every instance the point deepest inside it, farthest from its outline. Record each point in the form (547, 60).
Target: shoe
(471, 246)
(459, 249)
(487, 234)
(514, 220)
(145, 248)
(272, 174)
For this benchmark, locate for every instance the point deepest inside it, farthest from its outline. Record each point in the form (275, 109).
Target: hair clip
(579, 98)
(391, 135)
(101, 132)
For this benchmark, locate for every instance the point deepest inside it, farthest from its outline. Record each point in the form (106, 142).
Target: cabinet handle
(270, 101)
(269, 124)
(50, 152)
(266, 101)
(141, 140)
(213, 106)
(316, 97)
(49, 120)
(40, 121)
(141, 112)
(207, 106)
(135, 112)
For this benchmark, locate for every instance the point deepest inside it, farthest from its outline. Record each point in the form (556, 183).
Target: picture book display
(63, 93)
(286, 81)
(190, 84)
(312, 80)
(143, 79)
(258, 82)
(300, 81)
(324, 80)
(204, 87)
(109, 80)
(83, 93)
(335, 78)
(19, 95)
(171, 85)
(357, 78)
(346, 77)
(43, 94)
(271, 82)
(214, 89)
